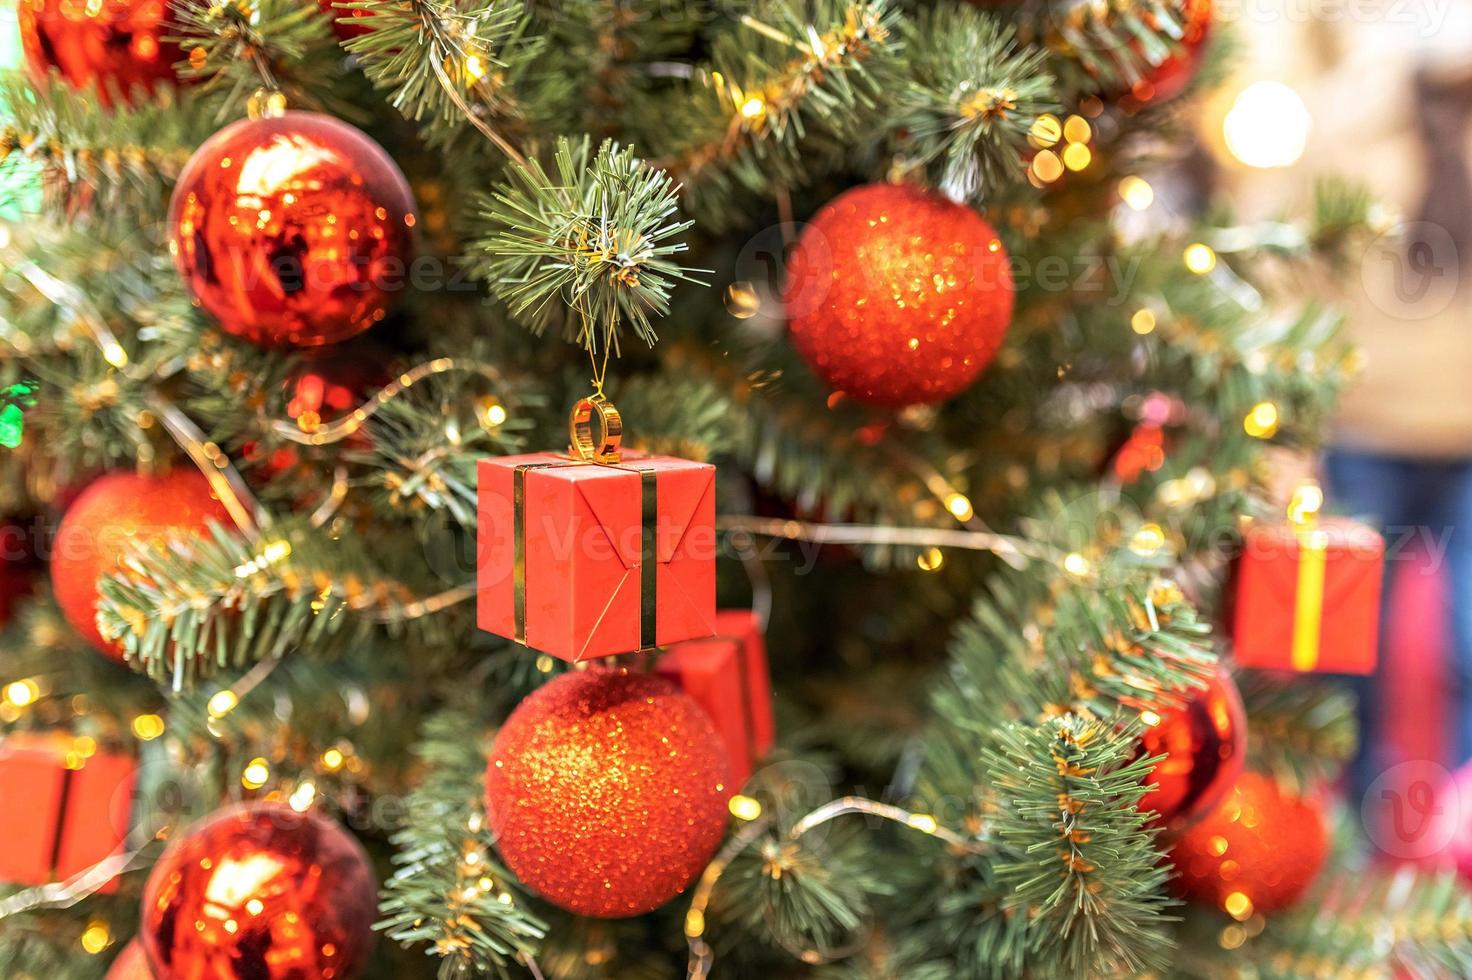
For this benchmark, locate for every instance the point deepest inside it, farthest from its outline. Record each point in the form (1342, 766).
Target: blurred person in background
(1388, 94)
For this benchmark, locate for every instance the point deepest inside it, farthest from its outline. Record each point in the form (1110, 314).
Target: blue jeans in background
(1423, 504)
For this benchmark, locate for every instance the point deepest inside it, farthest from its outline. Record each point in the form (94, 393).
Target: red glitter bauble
(260, 891)
(1205, 745)
(100, 44)
(131, 964)
(897, 296)
(1257, 852)
(607, 792)
(292, 231)
(103, 524)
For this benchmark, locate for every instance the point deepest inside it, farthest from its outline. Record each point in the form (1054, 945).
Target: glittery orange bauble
(897, 296)
(1205, 745)
(260, 891)
(100, 44)
(293, 231)
(103, 524)
(131, 964)
(1258, 851)
(607, 792)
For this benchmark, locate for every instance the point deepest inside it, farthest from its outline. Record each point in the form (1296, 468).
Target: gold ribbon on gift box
(595, 431)
(1313, 549)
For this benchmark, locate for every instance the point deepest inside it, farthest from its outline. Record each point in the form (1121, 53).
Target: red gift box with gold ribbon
(584, 559)
(1308, 593)
(63, 811)
(727, 676)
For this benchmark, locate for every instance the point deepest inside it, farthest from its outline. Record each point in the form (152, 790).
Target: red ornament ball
(292, 231)
(260, 891)
(102, 525)
(1257, 852)
(607, 792)
(897, 296)
(344, 30)
(104, 45)
(1169, 78)
(1205, 745)
(131, 964)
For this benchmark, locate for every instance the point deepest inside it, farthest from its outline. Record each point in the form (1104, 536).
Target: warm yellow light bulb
(930, 560)
(222, 703)
(1136, 192)
(148, 727)
(257, 771)
(960, 506)
(1143, 322)
(744, 807)
(22, 693)
(1262, 421)
(1267, 126)
(1200, 258)
(1077, 157)
(96, 937)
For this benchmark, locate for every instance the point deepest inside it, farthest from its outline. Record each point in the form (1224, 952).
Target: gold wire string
(347, 425)
(80, 886)
(1017, 552)
(702, 957)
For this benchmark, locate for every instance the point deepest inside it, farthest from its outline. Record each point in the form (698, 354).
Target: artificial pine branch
(592, 247)
(1083, 870)
(186, 606)
(787, 78)
(966, 99)
(449, 893)
(245, 52)
(447, 63)
(105, 165)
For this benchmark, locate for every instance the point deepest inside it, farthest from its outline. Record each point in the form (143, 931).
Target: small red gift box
(62, 812)
(584, 560)
(727, 676)
(1308, 597)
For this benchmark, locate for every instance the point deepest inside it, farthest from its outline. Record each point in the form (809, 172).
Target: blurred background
(1379, 94)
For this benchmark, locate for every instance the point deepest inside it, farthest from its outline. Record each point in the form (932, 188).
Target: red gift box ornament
(727, 676)
(596, 553)
(1332, 570)
(63, 812)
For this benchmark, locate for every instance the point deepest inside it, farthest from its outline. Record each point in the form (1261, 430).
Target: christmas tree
(333, 647)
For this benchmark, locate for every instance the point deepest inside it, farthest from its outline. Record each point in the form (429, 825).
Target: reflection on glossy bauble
(1204, 743)
(260, 892)
(294, 230)
(104, 45)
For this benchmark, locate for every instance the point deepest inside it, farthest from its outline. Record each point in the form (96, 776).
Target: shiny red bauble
(131, 964)
(342, 28)
(607, 792)
(1205, 746)
(294, 230)
(1257, 852)
(103, 45)
(106, 521)
(897, 296)
(260, 891)
(1170, 77)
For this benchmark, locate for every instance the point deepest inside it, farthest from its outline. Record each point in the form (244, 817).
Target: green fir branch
(592, 247)
(449, 893)
(244, 51)
(967, 99)
(1084, 871)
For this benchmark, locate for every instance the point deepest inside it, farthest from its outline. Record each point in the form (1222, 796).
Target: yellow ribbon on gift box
(1313, 548)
